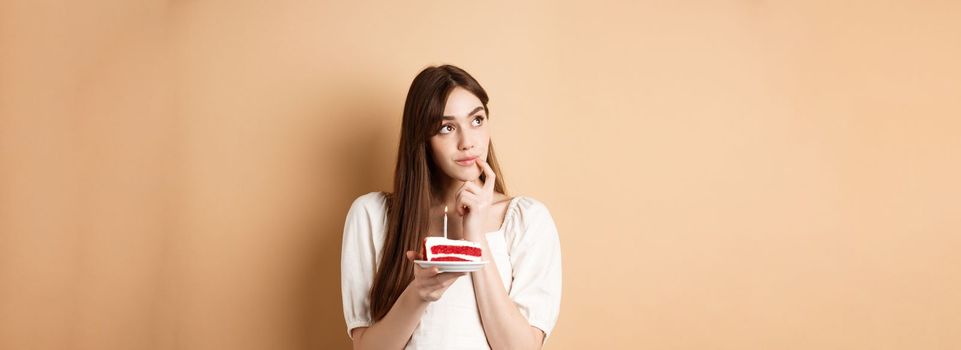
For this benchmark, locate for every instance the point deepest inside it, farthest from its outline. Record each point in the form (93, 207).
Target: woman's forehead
(461, 103)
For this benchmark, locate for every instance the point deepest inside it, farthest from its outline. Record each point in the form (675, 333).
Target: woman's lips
(466, 162)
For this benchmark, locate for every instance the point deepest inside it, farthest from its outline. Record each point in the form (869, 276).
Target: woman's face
(463, 136)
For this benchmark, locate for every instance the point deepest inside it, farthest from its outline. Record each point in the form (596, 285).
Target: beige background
(724, 175)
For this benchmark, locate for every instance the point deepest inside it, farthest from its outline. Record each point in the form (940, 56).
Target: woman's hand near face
(430, 284)
(474, 200)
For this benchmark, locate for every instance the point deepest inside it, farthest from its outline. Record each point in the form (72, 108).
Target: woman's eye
(447, 128)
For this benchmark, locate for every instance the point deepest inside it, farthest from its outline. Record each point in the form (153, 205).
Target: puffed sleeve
(536, 260)
(358, 258)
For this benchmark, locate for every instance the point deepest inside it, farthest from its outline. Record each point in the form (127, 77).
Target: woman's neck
(448, 193)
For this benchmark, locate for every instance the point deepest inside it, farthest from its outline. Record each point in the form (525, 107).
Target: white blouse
(526, 250)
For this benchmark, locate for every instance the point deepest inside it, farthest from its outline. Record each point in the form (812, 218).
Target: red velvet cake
(443, 249)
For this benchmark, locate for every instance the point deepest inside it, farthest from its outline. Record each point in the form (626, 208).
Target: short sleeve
(358, 258)
(536, 260)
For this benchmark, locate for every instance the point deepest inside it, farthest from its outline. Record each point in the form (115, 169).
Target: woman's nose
(466, 142)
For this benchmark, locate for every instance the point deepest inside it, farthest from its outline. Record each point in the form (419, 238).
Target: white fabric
(526, 250)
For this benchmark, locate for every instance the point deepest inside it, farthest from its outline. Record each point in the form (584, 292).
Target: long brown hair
(416, 179)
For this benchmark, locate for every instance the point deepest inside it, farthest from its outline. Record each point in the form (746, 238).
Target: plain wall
(724, 174)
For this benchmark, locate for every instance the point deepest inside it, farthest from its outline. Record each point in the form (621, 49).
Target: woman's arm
(394, 330)
(504, 325)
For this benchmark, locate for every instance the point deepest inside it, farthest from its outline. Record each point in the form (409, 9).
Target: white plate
(453, 266)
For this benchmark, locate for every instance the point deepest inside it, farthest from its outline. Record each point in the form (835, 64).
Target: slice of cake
(443, 249)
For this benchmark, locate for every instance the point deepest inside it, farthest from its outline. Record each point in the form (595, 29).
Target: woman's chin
(468, 177)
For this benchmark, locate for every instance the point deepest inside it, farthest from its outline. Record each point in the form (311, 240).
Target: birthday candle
(445, 221)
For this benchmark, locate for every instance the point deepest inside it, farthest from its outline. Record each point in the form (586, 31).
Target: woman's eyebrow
(476, 109)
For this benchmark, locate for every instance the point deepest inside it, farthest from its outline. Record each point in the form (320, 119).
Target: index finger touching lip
(488, 172)
(486, 168)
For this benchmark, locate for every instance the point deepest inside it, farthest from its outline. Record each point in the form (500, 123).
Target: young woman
(446, 158)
